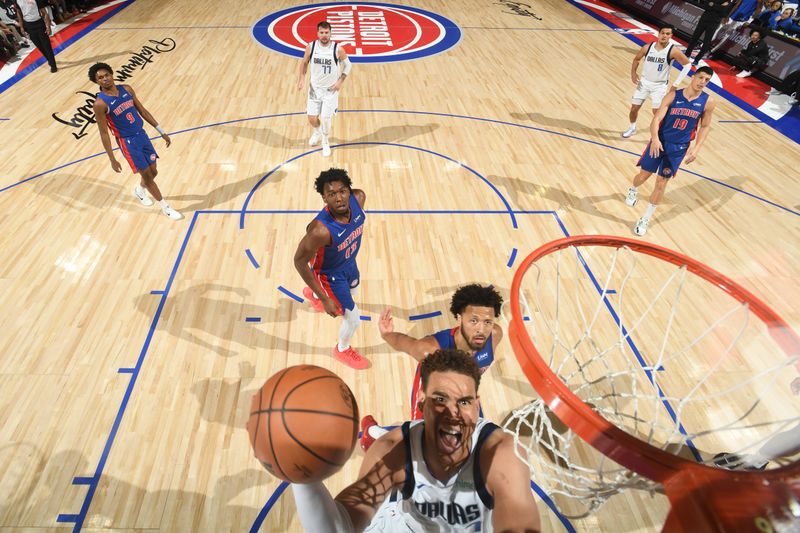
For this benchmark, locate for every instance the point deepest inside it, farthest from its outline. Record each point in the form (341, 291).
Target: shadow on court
(528, 195)
(546, 122)
(224, 193)
(34, 500)
(81, 193)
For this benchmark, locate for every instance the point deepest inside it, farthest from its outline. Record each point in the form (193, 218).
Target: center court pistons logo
(371, 32)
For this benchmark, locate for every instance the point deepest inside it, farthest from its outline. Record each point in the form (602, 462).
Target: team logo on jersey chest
(371, 32)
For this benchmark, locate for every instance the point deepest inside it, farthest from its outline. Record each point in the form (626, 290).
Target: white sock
(163, 203)
(348, 328)
(376, 431)
(633, 125)
(648, 214)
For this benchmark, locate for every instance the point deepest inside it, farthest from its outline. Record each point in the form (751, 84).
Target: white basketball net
(683, 366)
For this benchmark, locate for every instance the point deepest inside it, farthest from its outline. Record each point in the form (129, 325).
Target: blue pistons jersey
(682, 118)
(484, 357)
(345, 240)
(123, 118)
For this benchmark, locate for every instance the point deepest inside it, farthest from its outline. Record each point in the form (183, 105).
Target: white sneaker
(315, 138)
(641, 226)
(326, 149)
(171, 213)
(744, 74)
(631, 198)
(141, 194)
(630, 131)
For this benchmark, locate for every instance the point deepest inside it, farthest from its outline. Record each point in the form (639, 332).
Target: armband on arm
(346, 66)
(686, 68)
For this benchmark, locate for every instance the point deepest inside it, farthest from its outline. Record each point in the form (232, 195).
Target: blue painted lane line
(253, 319)
(512, 258)
(424, 316)
(251, 258)
(290, 294)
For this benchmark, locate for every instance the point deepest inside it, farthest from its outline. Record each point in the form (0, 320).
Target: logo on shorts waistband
(371, 32)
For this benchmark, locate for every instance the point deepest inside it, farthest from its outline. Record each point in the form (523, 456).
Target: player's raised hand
(655, 147)
(385, 322)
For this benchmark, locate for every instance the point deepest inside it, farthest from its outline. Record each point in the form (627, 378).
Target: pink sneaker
(316, 303)
(367, 439)
(350, 358)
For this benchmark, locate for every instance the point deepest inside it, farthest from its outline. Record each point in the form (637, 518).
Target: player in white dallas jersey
(451, 471)
(325, 57)
(654, 82)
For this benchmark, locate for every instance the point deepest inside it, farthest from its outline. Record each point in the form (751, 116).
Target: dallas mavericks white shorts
(322, 102)
(655, 90)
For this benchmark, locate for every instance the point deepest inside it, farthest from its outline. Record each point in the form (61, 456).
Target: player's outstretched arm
(681, 58)
(702, 132)
(508, 481)
(146, 115)
(416, 348)
(100, 110)
(382, 470)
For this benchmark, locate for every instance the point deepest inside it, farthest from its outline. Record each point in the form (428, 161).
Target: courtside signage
(371, 32)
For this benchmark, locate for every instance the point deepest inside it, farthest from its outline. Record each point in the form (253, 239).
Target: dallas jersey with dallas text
(656, 64)
(425, 504)
(324, 65)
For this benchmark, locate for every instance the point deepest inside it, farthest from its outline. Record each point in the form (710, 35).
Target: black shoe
(53, 69)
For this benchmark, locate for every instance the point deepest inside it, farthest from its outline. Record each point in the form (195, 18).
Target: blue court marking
(175, 28)
(549, 502)
(425, 315)
(366, 318)
(5, 119)
(125, 370)
(156, 292)
(253, 319)
(251, 258)
(505, 123)
(660, 368)
(82, 480)
(67, 518)
(788, 125)
(526, 318)
(370, 143)
(739, 121)
(571, 30)
(56, 50)
(290, 294)
(267, 507)
(512, 258)
(81, 516)
(611, 291)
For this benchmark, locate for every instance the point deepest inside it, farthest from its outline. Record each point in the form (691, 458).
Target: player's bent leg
(633, 114)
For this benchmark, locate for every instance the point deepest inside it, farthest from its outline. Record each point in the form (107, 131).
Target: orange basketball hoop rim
(703, 498)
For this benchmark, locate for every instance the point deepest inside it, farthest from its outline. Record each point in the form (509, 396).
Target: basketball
(303, 424)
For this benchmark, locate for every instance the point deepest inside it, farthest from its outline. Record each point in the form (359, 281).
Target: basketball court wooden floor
(131, 343)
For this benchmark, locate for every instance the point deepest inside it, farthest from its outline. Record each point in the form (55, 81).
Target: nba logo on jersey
(370, 32)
